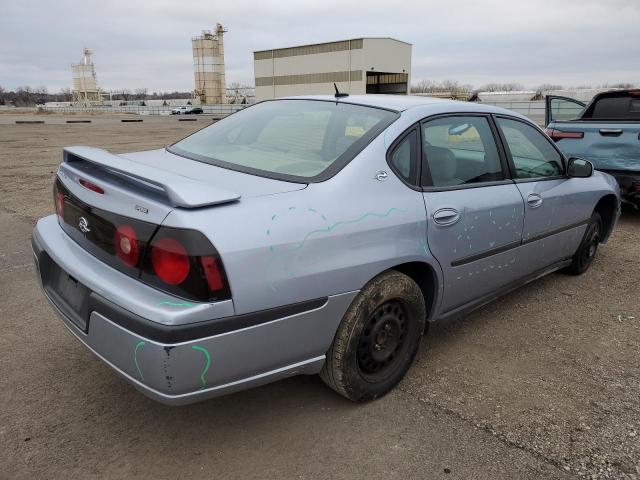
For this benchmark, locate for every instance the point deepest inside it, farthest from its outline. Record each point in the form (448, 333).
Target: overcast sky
(147, 43)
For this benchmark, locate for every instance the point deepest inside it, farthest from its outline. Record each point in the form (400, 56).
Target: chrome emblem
(83, 225)
(381, 175)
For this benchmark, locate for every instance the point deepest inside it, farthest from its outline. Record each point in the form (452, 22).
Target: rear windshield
(289, 139)
(616, 106)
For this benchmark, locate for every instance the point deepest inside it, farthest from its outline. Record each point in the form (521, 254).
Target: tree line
(27, 96)
(456, 88)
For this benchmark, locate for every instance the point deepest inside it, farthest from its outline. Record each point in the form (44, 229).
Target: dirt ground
(543, 383)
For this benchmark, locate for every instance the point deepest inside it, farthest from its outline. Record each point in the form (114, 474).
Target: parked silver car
(186, 110)
(309, 235)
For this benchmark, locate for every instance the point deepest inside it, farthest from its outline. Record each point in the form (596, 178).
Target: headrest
(442, 164)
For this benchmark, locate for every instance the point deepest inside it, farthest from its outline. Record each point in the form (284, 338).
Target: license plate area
(69, 295)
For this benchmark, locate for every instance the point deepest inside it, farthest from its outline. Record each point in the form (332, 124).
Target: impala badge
(83, 225)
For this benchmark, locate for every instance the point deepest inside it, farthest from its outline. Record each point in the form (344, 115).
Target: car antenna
(338, 93)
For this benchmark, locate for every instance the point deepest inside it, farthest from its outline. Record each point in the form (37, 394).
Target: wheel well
(424, 275)
(606, 207)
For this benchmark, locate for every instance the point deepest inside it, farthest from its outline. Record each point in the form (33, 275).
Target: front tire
(377, 339)
(588, 248)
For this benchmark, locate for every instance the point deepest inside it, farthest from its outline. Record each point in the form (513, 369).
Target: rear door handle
(534, 200)
(611, 132)
(446, 216)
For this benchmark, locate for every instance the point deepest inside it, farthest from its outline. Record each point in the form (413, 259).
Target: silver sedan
(309, 235)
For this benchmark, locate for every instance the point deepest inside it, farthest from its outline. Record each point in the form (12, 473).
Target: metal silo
(85, 86)
(208, 66)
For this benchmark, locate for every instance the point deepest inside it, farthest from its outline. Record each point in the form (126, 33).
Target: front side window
(288, 138)
(460, 150)
(533, 155)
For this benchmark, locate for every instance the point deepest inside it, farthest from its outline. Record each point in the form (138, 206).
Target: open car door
(561, 109)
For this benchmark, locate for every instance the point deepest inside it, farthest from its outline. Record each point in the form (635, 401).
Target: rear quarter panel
(329, 238)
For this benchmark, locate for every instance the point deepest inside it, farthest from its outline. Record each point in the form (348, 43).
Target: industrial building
(208, 67)
(85, 86)
(356, 66)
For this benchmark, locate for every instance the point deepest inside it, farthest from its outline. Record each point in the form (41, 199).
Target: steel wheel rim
(383, 339)
(591, 247)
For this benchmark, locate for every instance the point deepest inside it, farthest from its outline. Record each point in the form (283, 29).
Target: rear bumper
(185, 363)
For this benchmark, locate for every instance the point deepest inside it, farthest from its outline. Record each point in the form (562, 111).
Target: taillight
(170, 260)
(58, 200)
(212, 272)
(125, 243)
(185, 263)
(178, 261)
(91, 186)
(559, 134)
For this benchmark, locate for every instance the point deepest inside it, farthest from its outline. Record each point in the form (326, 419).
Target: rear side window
(533, 155)
(617, 106)
(297, 139)
(404, 157)
(460, 150)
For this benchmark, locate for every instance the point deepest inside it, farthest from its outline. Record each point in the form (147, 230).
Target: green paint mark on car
(205, 352)
(330, 228)
(175, 304)
(139, 345)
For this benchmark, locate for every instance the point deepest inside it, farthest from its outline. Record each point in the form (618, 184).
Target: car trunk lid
(103, 199)
(244, 184)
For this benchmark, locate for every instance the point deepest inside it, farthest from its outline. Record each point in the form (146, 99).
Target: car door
(556, 207)
(474, 211)
(561, 109)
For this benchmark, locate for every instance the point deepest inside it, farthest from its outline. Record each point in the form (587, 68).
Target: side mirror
(579, 168)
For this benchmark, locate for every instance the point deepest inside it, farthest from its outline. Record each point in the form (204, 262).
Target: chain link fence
(534, 110)
(218, 111)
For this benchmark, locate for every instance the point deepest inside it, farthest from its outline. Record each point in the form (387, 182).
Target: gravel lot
(543, 383)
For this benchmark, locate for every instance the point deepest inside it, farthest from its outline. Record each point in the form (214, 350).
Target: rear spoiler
(180, 191)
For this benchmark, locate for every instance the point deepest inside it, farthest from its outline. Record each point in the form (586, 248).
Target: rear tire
(377, 339)
(588, 248)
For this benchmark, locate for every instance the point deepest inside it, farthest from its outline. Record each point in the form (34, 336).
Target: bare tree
(447, 88)
(40, 94)
(450, 86)
(546, 87)
(423, 86)
(234, 92)
(620, 85)
(23, 96)
(66, 95)
(502, 87)
(141, 93)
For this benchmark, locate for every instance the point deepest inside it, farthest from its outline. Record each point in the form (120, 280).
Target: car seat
(442, 164)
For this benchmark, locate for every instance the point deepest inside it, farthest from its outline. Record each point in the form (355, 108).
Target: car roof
(402, 103)
(392, 102)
